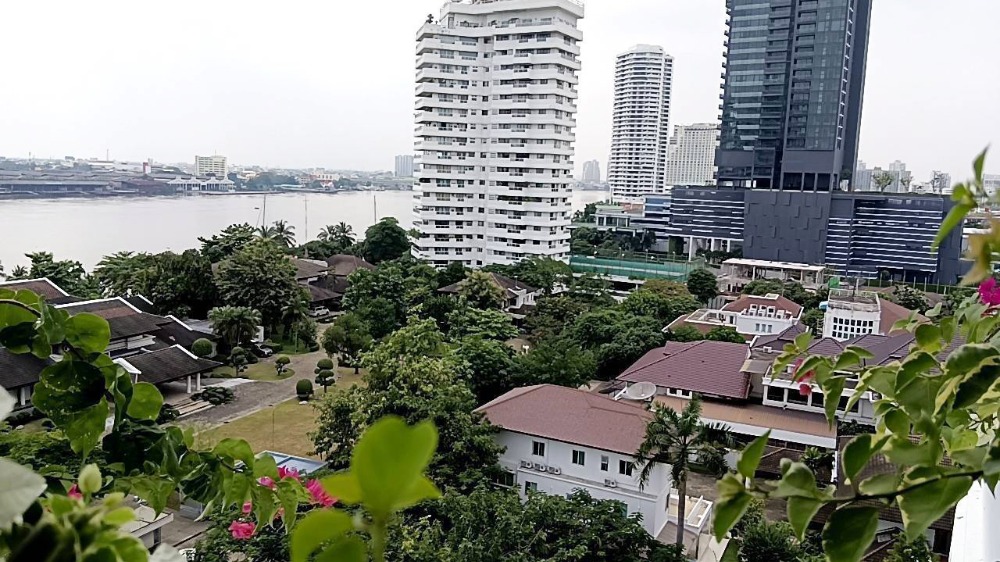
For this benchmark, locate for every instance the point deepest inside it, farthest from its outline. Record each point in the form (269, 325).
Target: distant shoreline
(133, 194)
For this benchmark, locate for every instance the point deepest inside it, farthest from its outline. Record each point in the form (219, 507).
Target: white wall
(651, 502)
(762, 324)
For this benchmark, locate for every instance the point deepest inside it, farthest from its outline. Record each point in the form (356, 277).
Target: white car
(319, 312)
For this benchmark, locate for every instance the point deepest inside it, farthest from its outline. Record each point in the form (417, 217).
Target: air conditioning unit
(610, 483)
(526, 464)
(540, 467)
(555, 470)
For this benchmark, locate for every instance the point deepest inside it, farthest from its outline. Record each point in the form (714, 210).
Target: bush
(215, 395)
(326, 378)
(202, 347)
(768, 542)
(276, 347)
(324, 364)
(281, 364)
(24, 416)
(168, 413)
(304, 389)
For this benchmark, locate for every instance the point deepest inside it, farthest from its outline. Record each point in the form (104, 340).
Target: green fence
(651, 268)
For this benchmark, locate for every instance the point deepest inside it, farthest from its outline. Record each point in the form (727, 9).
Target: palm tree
(293, 313)
(235, 324)
(674, 438)
(19, 273)
(283, 234)
(341, 234)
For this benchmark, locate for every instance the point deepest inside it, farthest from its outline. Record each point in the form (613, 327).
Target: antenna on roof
(639, 391)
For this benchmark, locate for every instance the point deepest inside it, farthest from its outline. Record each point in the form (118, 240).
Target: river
(88, 229)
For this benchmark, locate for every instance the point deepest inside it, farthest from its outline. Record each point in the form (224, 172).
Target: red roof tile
(570, 415)
(777, 301)
(706, 367)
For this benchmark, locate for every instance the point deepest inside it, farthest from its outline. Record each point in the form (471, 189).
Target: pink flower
(266, 481)
(287, 473)
(247, 508)
(318, 494)
(989, 292)
(242, 530)
(805, 389)
(74, 492)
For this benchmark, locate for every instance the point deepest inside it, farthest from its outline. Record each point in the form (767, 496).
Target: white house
(519, 297)
(851, 313)
(559, 440)
(749, 315)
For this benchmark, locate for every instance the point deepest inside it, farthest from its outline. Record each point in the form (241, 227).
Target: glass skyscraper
(794, 80)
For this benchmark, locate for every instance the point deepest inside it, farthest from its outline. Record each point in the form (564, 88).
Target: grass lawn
(732, 552)
(283, 428)
(288, 349)
(259, 372)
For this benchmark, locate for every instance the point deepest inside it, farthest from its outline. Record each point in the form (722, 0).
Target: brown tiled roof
(757, 415)
(321, 294)
(890, 313)
(506, 284)
(172, 332)
(169, 364)
(781, 339)
(570, 415)
(19, 369)
(705, 367)
(343, 265)
(124, 320)
(41, 287)
(777, 301)
(305, 269)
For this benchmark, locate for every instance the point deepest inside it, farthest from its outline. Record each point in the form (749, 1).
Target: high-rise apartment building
(211, 166)
(691, 154)
(640, 123)
(791, 104)
(991, 183)
(496, 104)
(591, 171)
(404, 166)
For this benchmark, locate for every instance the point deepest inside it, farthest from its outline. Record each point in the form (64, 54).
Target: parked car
(319, 312)
(261, 351)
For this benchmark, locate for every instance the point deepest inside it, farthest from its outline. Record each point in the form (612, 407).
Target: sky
(330, 84)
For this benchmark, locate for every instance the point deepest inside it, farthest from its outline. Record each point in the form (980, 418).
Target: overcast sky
(330, 84)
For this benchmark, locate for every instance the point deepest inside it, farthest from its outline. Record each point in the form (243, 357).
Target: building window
(538, 448)
(505, 479)
(579, 457)
(530, 487)
(776, 393)
(625, 467)
(605, 461)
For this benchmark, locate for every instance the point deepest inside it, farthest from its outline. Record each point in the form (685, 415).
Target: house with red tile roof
(712, 369)
(850, 313)
(558, 440)
(749, 315)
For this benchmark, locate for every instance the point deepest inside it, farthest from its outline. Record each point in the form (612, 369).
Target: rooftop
(570, 415)
(755, 305)
(343, 265)
(706, 367)
(168, 364)
(19, 369)
(508, 285)
(42, 287)
(758, 415)
(124, 319)
(773, 264)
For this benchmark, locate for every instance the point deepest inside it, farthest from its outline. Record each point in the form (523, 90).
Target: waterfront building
(404, 166)
(591, 171)
(691, 154)
(495, 119)
(211, 166)
(791, 105)
(640, 123)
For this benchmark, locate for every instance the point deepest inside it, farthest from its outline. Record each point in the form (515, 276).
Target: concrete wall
(786, 226)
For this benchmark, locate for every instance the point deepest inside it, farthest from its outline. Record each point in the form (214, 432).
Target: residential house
(558, 440)
(738, 272)
(850, 313)
(52, 293)
(519, 297)
(749, 315)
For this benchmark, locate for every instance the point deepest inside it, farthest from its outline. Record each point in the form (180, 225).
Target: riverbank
(11, 196)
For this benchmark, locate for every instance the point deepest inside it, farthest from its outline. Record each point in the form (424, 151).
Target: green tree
(281, 364)
(412, 374)
(202, 347)
(68, 274)
(908, 297)
(280, 232)
(551, 314)
(617, 338)
(672, 439)
(348, 337)
(480, 291)
(768, 542)
(817, 459)
(655, 304)
(882, 180)
(123, 273)
(911, 551)
(181, 284)
(490, 366)
(453, 273)
(703, 285)
(385, 240)
(542, 273)
(234, 324)
(488, 323)
(685, 333)
(378, 298)
(559, 361)
(340, 234)
(726, 334)
(231, 240)
(19, 273)
(259, 276)
(814, 319)
(238, 359)
(326, 378)
(761, 287)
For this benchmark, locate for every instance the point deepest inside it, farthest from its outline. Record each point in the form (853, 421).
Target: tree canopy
(385, 240)
(702, 284)
(261, 277)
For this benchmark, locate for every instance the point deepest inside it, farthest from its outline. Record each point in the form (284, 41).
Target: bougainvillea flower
(266, 481)
(247, 507)
(318, 494)
(989, 292)
(805, 389)
(287, 473)
(242, 530)
(74, 492)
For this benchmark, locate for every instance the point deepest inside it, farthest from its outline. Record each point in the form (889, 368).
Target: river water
(88, 229)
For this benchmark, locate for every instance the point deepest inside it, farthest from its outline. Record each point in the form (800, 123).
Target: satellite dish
(640, 391)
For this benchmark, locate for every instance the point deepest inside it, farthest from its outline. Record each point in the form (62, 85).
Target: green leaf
(120, 516)
(954, 218)
(896, 422)
(903, 452)
(802, 341)
(800, 513)
(848, 533)
(265, 465)
(316, 528)
(84, 428)
(146, 402)
(750, 457)
(344, 486)
(87, 332)
(924, 505)
(730, 506)
(797, 480)
(879, 484)
(991, 467)
(928, 337)
(19, 488)
(154, 489)
(833, 388)
(288, 497)
(970, 356)
(422, 489)
(348, 549)
(847, 359)
(857, 453)
(263, 503)
(388, 460)
(978, 164)
(974, 387)
(236, 449)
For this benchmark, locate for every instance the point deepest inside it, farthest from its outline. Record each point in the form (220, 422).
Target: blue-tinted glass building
(791, 104)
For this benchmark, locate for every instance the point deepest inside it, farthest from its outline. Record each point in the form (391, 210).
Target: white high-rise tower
(495, 114)
(691, 154)
(640, 122)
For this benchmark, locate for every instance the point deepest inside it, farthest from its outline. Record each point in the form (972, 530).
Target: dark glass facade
(794, 80)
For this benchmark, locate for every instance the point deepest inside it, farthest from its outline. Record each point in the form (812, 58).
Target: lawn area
(283, 428)
(732, 552)
(261, 371)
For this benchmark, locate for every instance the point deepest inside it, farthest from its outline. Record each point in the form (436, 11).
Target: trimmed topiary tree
(238, 359)
(281, 363)
(324, 364)
(304, 389)
(326, 378)
(202, 347)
